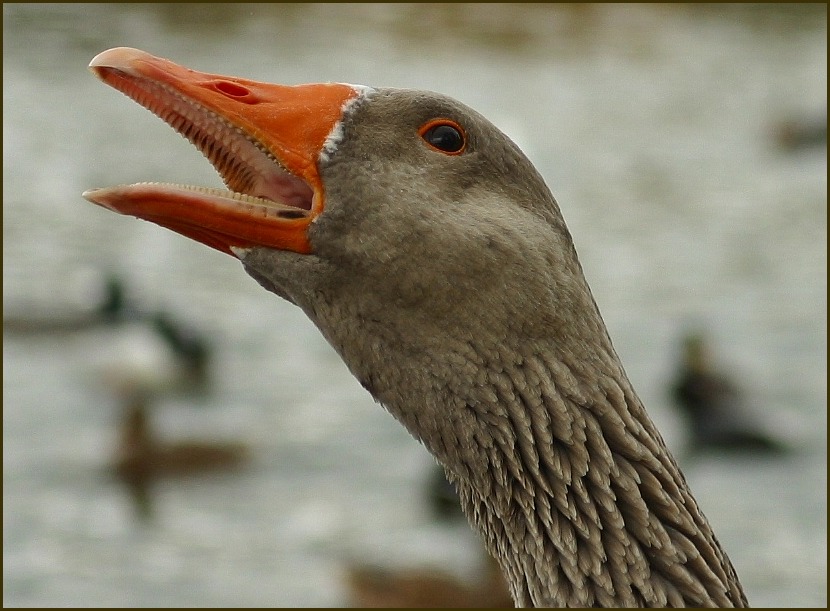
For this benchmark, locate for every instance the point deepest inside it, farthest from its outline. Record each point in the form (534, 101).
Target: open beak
(265, 141)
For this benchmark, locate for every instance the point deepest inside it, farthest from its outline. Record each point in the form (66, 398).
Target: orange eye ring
(444, 135)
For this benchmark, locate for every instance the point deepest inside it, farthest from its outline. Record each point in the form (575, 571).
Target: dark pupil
(445, 138)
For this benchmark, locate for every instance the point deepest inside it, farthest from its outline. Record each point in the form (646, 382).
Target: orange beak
(265, 141)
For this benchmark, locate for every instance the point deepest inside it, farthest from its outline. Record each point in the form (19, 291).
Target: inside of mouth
(250, 171)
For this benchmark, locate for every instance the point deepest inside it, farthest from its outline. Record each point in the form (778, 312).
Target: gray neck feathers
(557, 464)
(574, 491)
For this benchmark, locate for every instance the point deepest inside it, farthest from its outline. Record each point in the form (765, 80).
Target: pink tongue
(285, 190)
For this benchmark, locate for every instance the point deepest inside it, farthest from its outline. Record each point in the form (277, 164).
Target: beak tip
(97, 197)
(117, 57)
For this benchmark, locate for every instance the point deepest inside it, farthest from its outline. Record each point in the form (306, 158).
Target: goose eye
(445, 136)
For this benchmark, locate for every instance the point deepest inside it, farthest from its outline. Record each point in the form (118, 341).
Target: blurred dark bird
(802, 133)
(109, 308)
(714, 407)
(442, 497)
(133, 350)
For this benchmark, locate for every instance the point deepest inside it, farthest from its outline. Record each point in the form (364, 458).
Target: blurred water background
(659, 130)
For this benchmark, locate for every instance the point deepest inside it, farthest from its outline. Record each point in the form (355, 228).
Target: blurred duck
(426, 588)
(147, 357)
(141, 456)
(155, 359)
(373, 587)
(713, 406)
(141, 357)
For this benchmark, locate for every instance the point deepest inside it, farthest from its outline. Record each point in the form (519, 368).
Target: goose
(432, 256)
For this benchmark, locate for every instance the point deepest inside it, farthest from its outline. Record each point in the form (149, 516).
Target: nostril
(230, 89)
